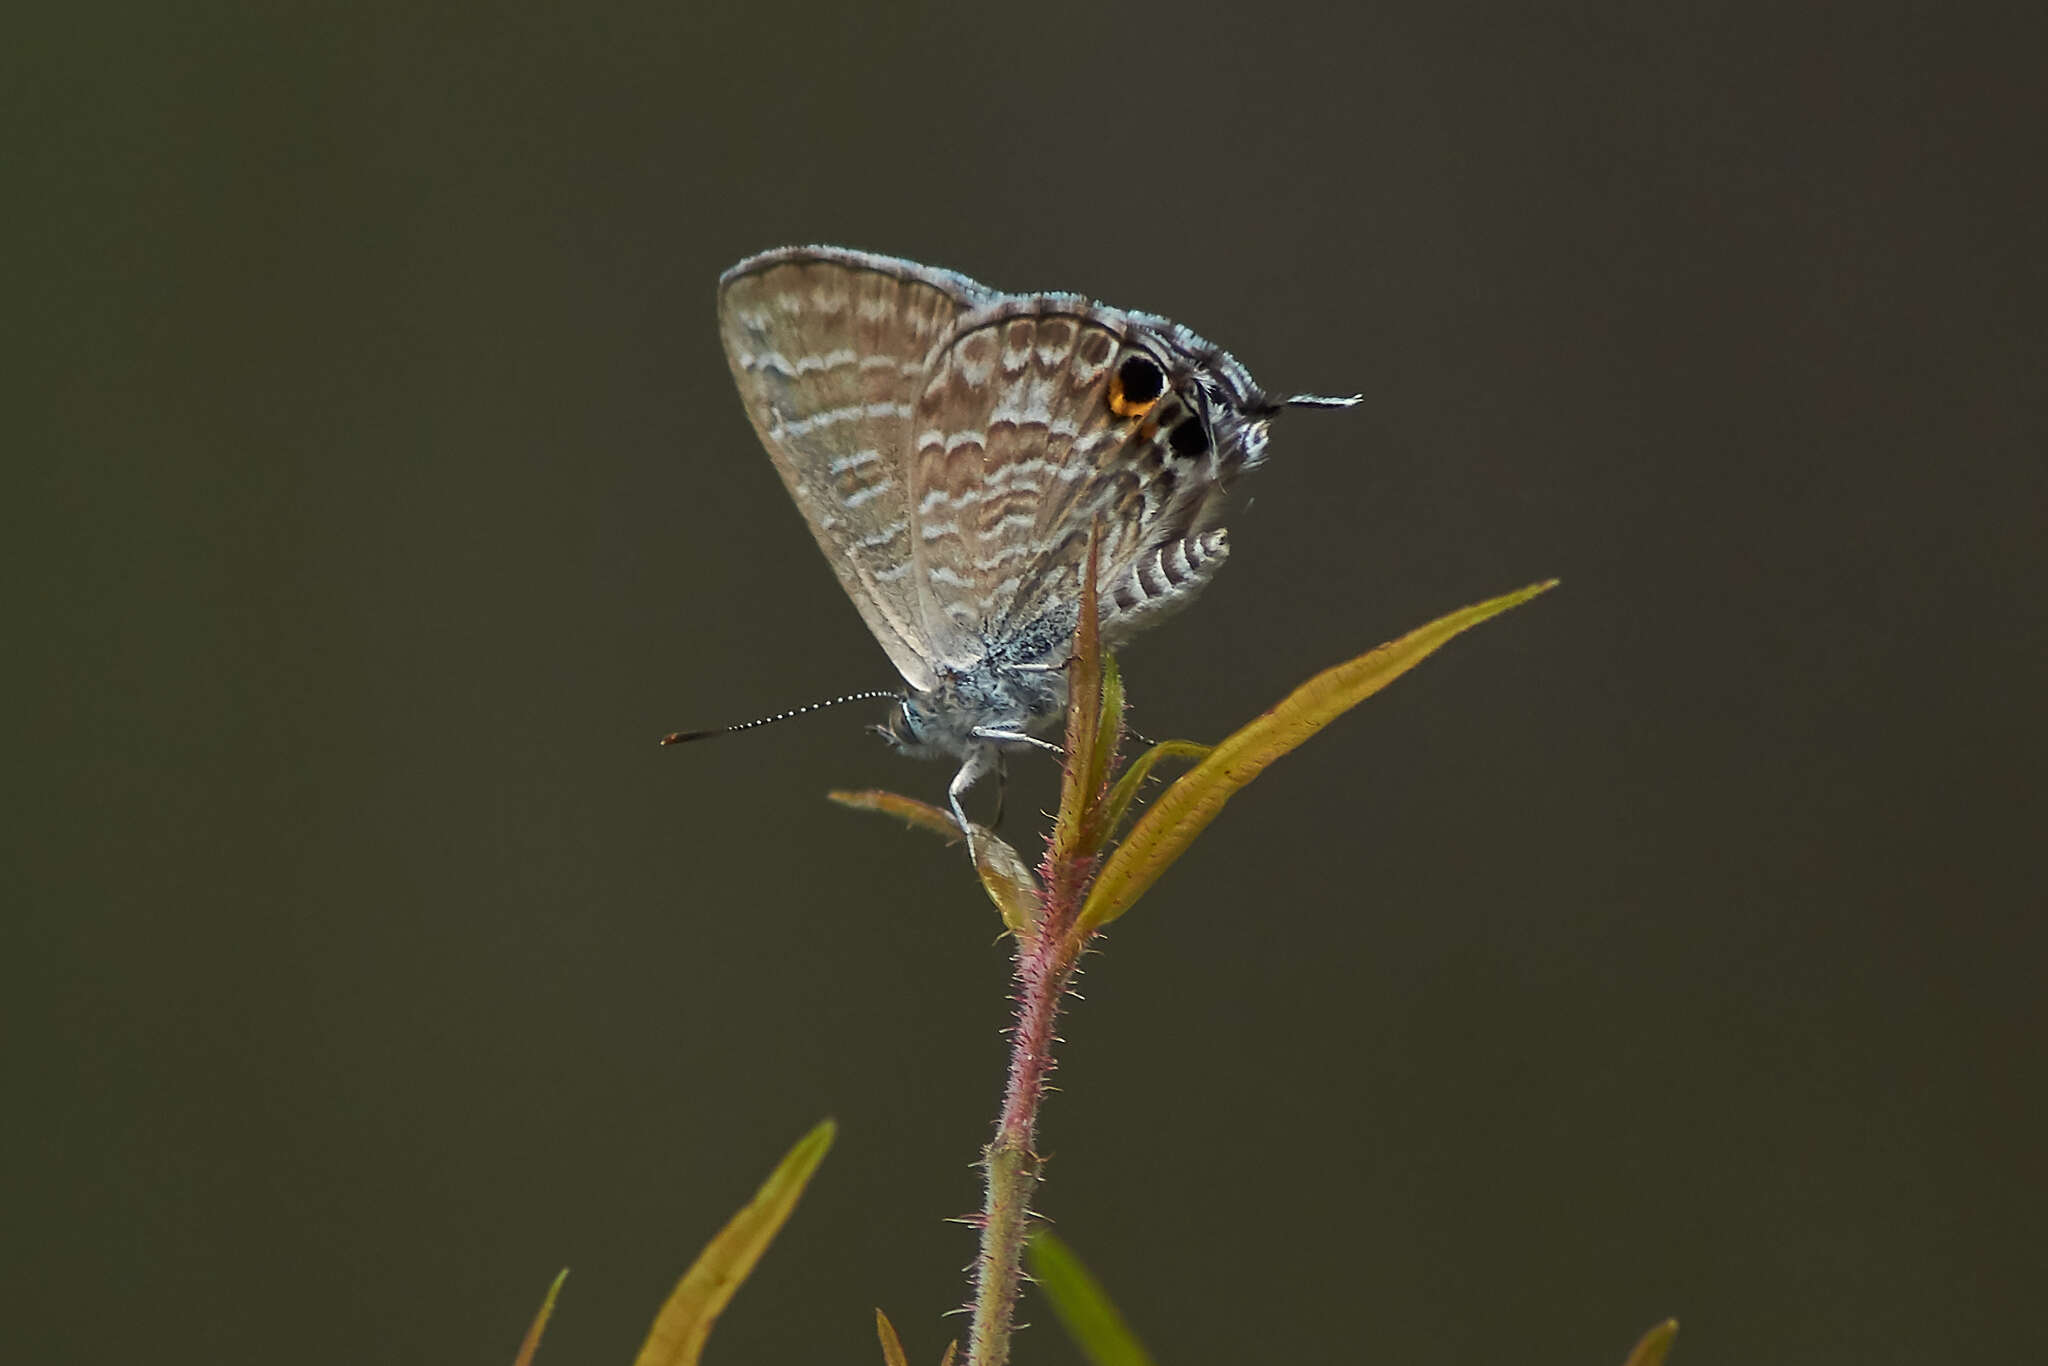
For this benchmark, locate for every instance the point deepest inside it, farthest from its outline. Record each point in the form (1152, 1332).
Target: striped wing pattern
(1018, 452)
(829, 353)
(951, 447)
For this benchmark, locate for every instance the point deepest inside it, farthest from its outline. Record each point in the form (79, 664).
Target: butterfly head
(1206, 404)
(969, 710)
(911, 728)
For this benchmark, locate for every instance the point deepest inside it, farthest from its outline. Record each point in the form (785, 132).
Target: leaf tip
(892, 1345)
(1651, 1348)
(540, 1321)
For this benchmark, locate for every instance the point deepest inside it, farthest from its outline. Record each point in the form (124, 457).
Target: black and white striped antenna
(1269, 405)
(685, 736)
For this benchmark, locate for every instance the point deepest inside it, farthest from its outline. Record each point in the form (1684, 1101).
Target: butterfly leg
(1002, 789)
(978, 761)
(1015, 737)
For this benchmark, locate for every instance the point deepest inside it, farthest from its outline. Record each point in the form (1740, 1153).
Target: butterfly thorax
(1018, 688)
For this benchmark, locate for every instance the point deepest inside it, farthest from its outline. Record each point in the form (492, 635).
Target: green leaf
(1009, 882)
(1094, 826)
(1087, 681)
(1109, 726)
(1128, 786)
(540, 1322)
(892, 1346)
(677, 1338)
(1654, 1344)
(1083, 1308)
(918, 815)
(1004, 874)
(1184, 810)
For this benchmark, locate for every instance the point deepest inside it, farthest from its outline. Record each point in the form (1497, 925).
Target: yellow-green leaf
(1128, 786)
(892, 1346)
(1109, 723)
(540, 1322)
(1081, 775)
(1004, 874)
(677, 1338)
(1184, 810)
(919, 815)
(1008, 880)
(1654, 1344)
(1083, 1307)
(1094, 826)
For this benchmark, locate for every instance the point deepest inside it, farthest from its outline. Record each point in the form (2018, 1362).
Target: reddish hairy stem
(1046, 954)
(1044, 966)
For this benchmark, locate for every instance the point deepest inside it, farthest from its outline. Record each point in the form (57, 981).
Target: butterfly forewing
(829, 351)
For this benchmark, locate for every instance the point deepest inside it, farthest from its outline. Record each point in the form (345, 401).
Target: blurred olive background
(1671, 946)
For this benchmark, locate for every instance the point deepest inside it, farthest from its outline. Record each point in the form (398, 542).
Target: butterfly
(952, 449)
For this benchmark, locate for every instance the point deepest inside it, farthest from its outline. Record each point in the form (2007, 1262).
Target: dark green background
(1672, 946)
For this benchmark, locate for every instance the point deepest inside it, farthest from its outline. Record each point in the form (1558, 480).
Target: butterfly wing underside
(829, 350)
(1019, 452)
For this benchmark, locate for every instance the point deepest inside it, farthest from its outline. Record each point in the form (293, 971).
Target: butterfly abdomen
(1162, 582)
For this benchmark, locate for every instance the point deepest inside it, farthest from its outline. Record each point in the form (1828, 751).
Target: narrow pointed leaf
(1108, 723)
(677, 1338)
(540, 1322)
(1109, 729)
(1654, 1344)
(1133, 781)
(892, 1346)
(1082, 1305)
(1009, 882)
(1084, 716)
(1184, 810)
(1004, 874)
(919, 815)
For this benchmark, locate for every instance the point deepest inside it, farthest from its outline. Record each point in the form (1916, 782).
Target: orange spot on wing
(1122, 404)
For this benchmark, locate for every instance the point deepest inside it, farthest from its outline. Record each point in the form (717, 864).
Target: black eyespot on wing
(1189, 438)
(1140, 379)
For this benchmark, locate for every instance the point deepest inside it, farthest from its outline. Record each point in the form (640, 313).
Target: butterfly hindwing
(1024, 441)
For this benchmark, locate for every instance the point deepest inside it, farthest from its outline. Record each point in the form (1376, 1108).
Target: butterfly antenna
(1322, 401)
(684, 736)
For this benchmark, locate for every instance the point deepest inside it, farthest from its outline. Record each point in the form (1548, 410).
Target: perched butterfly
(951, 447)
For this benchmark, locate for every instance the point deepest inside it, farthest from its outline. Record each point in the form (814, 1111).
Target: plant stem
(1045, 963)
(1046, 953)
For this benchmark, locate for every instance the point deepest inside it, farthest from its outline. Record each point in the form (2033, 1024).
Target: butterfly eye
(1136, 386)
